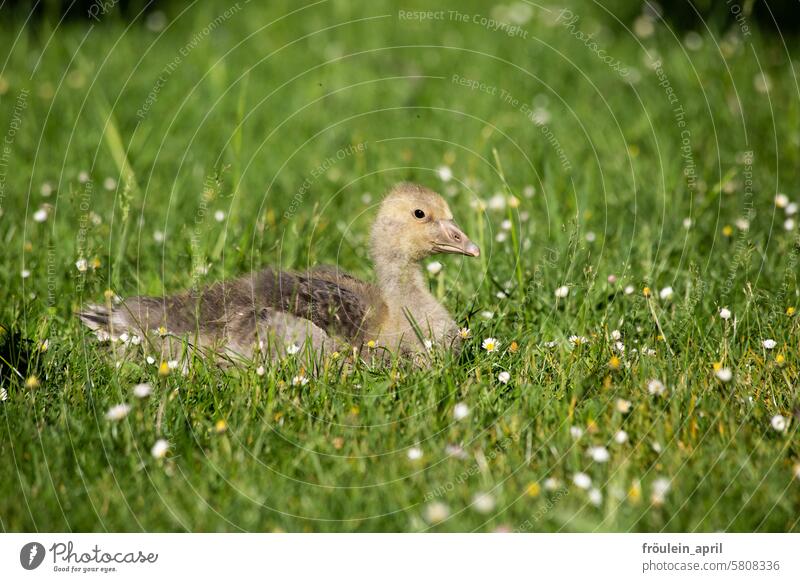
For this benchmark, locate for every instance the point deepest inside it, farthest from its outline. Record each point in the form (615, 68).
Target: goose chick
(322, 308)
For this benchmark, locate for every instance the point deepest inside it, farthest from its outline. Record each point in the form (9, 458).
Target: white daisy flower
(506, 224)
(159, 449)
(445, 173)
(414, 453)
(40, 215)
(562, 292)
(292, 349)
(434, 267)
(487, 314)
(598, 454)
(725, 313)
(621, 437)
(788, 224)
(687, 223)
(82, 265)
(781, 200)
(428, 344)
(172, 364)
(582, 480)
(490, 344)
(623, 406)
(460, 411)
(575, 432)
(110, 184)
(483, 502)
(595, 497)
(25, 273)
(501, 295)
(578, 340)
(629, 289)
(158, 236)
(456, 451)
(551, 484)
(616, 335)
(666, 293)
(659, 490)
(742, 224)
(83, 176)
(219, 215)
(791, 209)
(118, 412)
(142, 390)
(497, 202)
(769, 343)
(504, 377)
(150, 360)
(779, 423)
(299, 380)
(464, 332)
(501, 237)
(46, 189)
(620, 347)
(436, 512)
(551, 344)
(528, 191)
(260, 371)
(656, 387)
(724, 374)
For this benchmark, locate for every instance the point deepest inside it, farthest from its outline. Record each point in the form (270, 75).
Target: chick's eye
(419, 213)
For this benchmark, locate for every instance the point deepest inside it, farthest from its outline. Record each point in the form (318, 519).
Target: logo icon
(31, 555)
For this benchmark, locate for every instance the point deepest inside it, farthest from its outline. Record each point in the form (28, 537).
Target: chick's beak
(451, 239)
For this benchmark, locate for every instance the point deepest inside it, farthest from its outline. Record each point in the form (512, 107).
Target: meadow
(633, 188)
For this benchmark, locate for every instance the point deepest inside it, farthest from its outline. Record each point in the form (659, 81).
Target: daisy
(158, 236)
(591, 236)
(82, 265)
(260, 371)
(779, 423)
(528, 191)
(160, 448)
(83, 176)
(575, 432)
(742, 224)
(616, 335)
(725, 313)
(501, 237)
(40, 215)
(464, 332)
(497, 202)
(150, 360)
(142, 390)
(172, 364)
(428, 344)
(487, 314)
(659, 490)
(500, 295)
(550, 344)
(582, 480)
(724, 374)
(219, 215)
(25, 273)
(781, 200)
(434, 267)
(623, 406)
(46, 189)
(769, 343)
(595, 497)
(621, 437)
(456, 451)
(788, 224)
(490, 344)
(445, 173)
(504, 377)
(506, 224)
(436, 512)
(598, 454)
(292, 349)
(791, 209)
(578, 340)
(629, 289)
(666, 293)
(414, 453)
(460, 411)
(656, 387)
(551, 484)
(562, 292)
(483, 502)
(118, 412)
(110, 184)
(299, 380)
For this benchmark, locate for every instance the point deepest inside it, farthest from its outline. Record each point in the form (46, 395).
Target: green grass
(243, 120)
